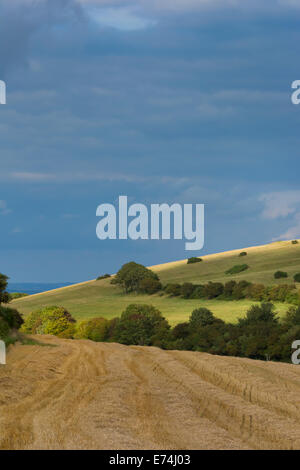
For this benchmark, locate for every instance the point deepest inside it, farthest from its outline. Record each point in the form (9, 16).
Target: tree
(131, 274)
(139, 323)
(4, 296)
(201, 317)
(292, 317)
(263, 313)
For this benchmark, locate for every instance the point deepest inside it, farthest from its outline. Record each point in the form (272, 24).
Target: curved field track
(85, 395)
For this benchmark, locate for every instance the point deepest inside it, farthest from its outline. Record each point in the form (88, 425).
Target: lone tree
(4, 296)
(131, 275)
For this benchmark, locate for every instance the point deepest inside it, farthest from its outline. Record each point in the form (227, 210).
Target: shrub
(17, 295)
(131, 274)
(149, 286)
(280, 274)
(201, 317)
(68, 333)
(295, 242)
(193, 260)
(239, 290)
(173, 289)
(50, 320)
(256, 291)
(243, 253)
(198, 292)
(4, 329)
(105, 276)
(213, 289)
(292, 297)
(228, 289)
(139, 324)
(280, 293)
(95, 329)
(297, 277)
(238, 268)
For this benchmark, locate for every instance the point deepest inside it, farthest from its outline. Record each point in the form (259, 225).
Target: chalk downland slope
(85, 395)
(100, 298)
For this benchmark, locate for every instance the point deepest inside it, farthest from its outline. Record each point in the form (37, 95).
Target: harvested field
(85, 395)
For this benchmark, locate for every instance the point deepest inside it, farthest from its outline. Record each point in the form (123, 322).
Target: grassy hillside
(100, 298)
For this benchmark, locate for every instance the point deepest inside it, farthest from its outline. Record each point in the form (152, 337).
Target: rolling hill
(100, 298)
(85, 395)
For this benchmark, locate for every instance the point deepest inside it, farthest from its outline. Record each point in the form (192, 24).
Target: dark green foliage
(243, 253)
(292, 317)
(4, 329)
(193, 260)
(213, 290)
(4, 296)
(139, 324)
(238, 268)
(10, 321)
(259, 335)
(149, 286)
(263, 313)
(131, 274)
(228, 289)
(239, 291)
(104, 276)
(187, 290)
(297, 277)
(280, 274)
(12, 317)
(181, 331)
(201, 317)
(198, 292)
(173, 289)
(233, 290)
(295, 242)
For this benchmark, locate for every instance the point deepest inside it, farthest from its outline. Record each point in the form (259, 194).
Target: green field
(100, 298)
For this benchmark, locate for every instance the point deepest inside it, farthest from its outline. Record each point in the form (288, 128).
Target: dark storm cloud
(21, 19)
(183, 103)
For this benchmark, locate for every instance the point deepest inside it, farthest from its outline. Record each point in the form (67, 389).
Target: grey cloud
(280, 203)
(21, 19)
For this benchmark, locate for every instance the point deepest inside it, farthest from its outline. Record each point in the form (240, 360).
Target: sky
(185, 101)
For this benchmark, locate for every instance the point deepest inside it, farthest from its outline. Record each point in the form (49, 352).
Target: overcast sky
(160, 100)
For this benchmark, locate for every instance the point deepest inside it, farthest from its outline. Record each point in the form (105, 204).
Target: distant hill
(100, 298)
